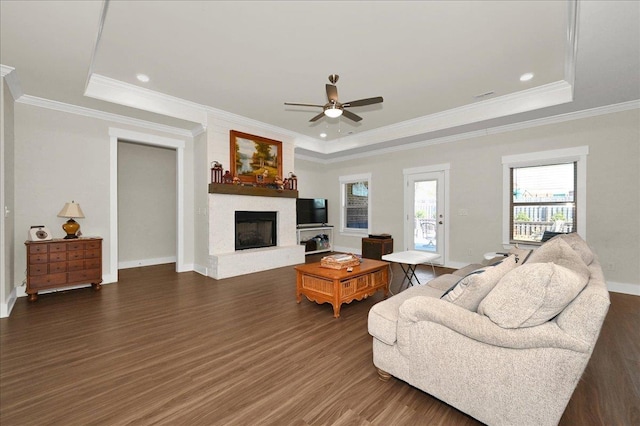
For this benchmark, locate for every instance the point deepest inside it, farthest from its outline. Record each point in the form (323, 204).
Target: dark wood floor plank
(165, 348)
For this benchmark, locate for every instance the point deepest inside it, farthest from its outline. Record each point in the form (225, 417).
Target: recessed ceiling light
(323, 135)
(143, 78)
(526, 77)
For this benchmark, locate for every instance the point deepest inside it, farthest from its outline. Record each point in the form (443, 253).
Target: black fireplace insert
(255, 229)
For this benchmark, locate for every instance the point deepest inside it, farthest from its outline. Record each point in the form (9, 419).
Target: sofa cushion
(383, 316)
(463, 272)
(444, 282)
(579, 245)
(470, 290)
(532, 294)
(521, 254)
(559, 252)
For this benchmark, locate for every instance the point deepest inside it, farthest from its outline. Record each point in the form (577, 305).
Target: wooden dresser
(63, 263)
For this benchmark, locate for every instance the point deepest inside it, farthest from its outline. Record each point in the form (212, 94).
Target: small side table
(408, 261)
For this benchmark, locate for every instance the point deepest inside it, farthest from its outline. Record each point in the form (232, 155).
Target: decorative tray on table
(339, 261)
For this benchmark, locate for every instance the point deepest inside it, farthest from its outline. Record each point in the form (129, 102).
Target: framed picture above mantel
(255, 159)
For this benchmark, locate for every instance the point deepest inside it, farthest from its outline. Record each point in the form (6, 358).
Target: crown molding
(300, 141)
(118, 92)
(101, 115)
(111, 90)
(10, 76)
(560, 118)
(543, 96)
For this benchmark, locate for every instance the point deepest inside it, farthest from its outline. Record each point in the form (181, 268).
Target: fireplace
(255, 229)
(224, 261)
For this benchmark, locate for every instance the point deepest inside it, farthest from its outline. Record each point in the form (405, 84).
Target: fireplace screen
(255, 230)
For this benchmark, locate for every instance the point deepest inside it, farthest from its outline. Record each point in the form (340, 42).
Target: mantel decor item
(71, 227)
(292, 182)
(255, 159)
(216, 172)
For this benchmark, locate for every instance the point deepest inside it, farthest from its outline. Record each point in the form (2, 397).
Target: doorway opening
(145, 139)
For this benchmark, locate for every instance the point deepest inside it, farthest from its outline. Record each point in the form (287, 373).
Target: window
(544, 191)
(356, 204)
(543, 198)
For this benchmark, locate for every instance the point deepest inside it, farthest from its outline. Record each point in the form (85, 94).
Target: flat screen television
(311, 210)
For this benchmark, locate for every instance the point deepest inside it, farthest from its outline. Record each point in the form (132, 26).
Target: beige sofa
(506, 344)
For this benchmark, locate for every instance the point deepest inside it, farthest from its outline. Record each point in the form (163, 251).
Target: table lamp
(71, 227)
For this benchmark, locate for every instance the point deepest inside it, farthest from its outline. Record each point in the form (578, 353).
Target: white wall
(312, 182)
(63, 156)
(146, 205)
(613, 198)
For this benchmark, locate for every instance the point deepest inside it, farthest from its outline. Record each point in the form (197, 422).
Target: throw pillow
(579, 245)
(466, 277)
(470, 290)
(559, 252)
(531, 295)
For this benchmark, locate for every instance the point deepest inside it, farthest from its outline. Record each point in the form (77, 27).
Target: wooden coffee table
(337, 286)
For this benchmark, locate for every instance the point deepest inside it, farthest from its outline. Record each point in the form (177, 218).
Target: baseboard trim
(202, 270)
(6, 308)
(146, 262)
(626, 288)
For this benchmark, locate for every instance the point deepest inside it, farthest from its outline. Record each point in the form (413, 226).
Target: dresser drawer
(41, 281)
(38, 269)
(76, 245)
(75, 265)
(92, 245)
(57, 267)
(38, 248)
(92, 263)
(75, 255)
(57, 247)
(85, 276)
(59, 256)
(91, 254)
(38, 258)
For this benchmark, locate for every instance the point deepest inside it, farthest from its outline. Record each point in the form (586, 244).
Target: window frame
(344, 181)
(577, 155)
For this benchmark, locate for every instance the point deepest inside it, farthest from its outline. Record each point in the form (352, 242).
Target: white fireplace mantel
(225, 261)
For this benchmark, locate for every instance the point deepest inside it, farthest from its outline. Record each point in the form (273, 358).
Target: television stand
(306, 235)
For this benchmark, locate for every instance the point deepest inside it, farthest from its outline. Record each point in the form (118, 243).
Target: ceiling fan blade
(317, 117)
(309, 105)
(332, 93)
(363, 102)
(351, 116)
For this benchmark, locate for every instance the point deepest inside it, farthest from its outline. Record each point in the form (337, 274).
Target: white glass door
(425, 213)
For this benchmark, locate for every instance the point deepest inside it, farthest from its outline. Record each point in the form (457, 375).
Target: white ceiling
(427, 59)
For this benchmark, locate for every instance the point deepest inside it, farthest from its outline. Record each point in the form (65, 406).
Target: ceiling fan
(333, 108)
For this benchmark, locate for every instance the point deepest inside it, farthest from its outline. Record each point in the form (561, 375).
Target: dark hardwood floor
(165, 348)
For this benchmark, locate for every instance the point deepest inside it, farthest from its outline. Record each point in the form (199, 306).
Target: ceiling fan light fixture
(333, 111)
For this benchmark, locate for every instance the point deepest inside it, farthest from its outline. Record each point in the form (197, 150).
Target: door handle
(440, 222)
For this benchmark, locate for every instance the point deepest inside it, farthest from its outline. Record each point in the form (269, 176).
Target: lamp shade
(72, 210)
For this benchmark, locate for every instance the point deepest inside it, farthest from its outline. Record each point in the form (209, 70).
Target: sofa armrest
(481, 328)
